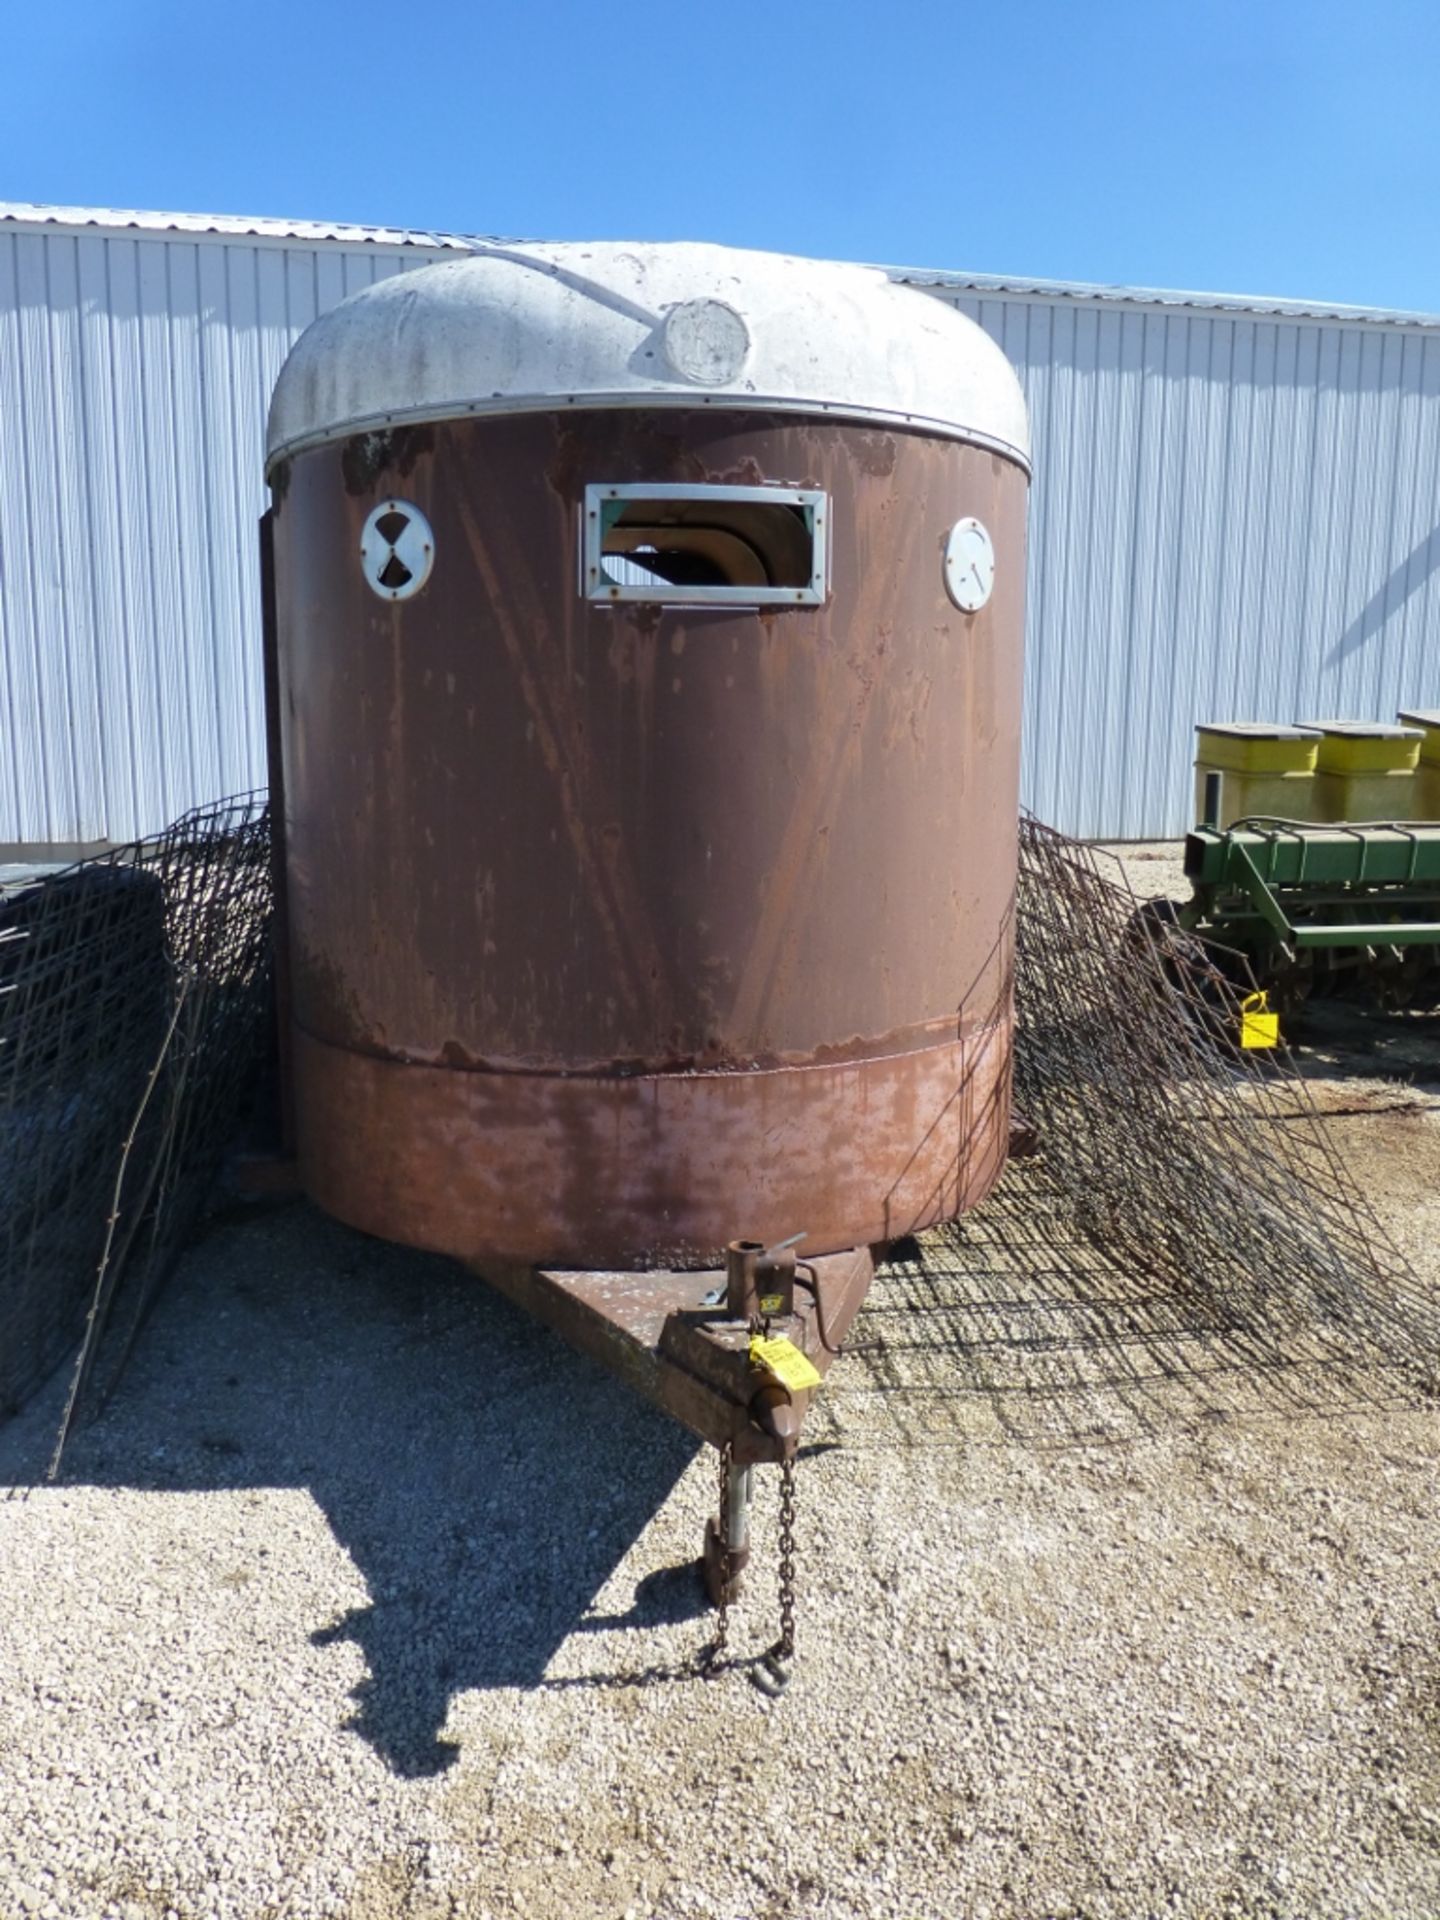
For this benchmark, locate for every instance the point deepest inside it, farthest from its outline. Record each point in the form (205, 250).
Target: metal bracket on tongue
(760, 1280)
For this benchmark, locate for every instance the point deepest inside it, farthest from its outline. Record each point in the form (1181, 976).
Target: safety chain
(785, 1648)
(772, 1676)
(715, 1652)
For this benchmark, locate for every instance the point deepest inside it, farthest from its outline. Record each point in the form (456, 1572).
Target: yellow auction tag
(785, 1360)
(1258, 1026)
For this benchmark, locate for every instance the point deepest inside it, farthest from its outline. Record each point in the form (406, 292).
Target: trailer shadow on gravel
(485, 1481)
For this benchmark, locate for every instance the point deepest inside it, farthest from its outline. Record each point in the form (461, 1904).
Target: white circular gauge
(969, 565)
(397, 550)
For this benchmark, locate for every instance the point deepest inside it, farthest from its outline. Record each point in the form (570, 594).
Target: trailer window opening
(750, 546)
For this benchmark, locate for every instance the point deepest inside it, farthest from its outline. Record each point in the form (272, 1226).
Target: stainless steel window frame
(594, 585)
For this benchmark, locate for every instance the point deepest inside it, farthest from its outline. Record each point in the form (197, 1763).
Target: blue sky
(1262, 148)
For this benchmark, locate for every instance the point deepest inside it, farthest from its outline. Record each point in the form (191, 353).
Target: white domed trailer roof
(616, 324)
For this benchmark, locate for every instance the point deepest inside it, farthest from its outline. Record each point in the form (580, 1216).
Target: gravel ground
(366, 1598)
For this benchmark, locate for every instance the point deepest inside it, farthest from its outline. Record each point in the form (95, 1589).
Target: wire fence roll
(134, 1004)
(1206, 1164)
(1183, 1240)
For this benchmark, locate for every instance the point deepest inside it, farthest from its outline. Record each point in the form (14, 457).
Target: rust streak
(832, 758)
(615, 897)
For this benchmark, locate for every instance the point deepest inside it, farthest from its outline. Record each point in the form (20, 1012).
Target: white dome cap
(617, 324)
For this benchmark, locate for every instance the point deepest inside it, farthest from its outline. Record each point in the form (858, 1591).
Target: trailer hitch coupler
(776, 1414)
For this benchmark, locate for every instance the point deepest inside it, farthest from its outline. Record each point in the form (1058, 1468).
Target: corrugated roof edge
(33, 214)
(1261, 304)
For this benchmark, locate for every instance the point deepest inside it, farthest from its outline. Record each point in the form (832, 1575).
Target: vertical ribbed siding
(135, 374)
(1233, 517)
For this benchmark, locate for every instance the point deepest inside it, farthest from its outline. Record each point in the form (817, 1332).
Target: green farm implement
(1313, 906)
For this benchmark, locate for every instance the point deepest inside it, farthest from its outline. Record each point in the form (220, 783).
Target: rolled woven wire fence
(134, 1004)
(1207, 1165)
(1185, 1242)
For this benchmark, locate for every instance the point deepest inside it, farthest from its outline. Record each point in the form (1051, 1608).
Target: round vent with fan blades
(397, 550)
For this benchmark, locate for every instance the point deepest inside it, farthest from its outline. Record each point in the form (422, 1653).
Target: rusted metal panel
(652, 1169)
(612, 922)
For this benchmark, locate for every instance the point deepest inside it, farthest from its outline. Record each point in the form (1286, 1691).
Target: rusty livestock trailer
(646, 628)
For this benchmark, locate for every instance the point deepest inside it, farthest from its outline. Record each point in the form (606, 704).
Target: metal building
(1236, 513)
(137, 356)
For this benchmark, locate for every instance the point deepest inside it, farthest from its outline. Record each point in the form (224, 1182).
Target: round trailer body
(649, 655)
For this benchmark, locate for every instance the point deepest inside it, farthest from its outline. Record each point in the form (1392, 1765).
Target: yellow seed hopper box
(1365, 770)
(1427, 770)
(1265, 770)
